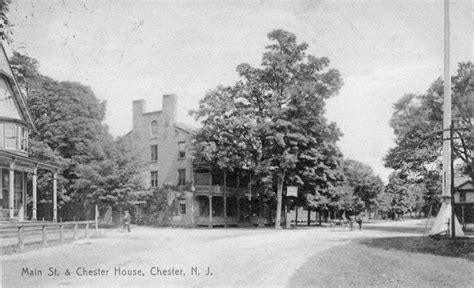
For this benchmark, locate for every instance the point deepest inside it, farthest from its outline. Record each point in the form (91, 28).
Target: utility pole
(446, 108)
(445, 216)
(453, 212)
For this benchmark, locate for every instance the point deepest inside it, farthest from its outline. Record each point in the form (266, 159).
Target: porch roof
(27, 163)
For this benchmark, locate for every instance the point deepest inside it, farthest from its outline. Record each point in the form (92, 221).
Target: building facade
(464, 200)
(15, 165)
(199, 194)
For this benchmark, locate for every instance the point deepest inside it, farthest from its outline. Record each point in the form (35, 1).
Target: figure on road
(126, 221)
(359, 221)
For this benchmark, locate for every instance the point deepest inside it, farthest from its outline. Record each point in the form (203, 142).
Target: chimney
(138, 110)
(170, 109)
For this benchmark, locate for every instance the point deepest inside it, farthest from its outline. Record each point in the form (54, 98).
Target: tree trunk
(309, 217)
(296, 216)
(287, 215)
(261, 215)
(279, 200)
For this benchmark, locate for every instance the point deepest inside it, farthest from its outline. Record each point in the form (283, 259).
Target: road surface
(179, 257)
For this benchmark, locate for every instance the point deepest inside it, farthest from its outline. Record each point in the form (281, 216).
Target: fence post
(21, 242)
(87, 230)
(75, 231)
(61, 240)
(45, 236)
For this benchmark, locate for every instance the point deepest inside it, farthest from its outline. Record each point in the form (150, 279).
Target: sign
(292, 191)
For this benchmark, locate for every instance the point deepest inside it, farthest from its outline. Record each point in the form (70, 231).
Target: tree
(272, 120)
(418, 121)
(70, 132)
(5, 25)
(402, 195)
(365, 184)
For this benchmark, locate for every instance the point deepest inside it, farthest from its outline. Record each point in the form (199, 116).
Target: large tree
(402, 195)
(70, 132)
(272, 120)
(418, 122)
(365, 184)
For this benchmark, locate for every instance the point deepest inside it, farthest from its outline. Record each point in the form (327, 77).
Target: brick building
(165, 147)
(163, 144)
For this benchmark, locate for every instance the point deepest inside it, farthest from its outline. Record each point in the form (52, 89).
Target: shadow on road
(463, 248)
(399, 229)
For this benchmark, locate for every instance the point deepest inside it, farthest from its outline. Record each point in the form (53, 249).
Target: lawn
(391, 262)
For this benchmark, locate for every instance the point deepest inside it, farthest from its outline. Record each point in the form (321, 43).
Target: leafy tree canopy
(70, 132)
(418, 122)
(272, 121)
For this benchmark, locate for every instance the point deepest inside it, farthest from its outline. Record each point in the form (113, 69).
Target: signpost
(291, 191)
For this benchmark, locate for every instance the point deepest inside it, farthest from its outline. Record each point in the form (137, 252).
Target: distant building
(15, 165)
(464, 200)
(165, 147)
(163, 144)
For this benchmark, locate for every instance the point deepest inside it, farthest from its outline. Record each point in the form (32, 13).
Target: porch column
(11, 188)
(23, 216)
(238, 209)
(35, 178)
(210, 197)
(55, 196)
(210, 210)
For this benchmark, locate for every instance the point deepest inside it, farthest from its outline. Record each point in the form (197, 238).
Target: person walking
(359, 221)
(351, 222)
(126, 221)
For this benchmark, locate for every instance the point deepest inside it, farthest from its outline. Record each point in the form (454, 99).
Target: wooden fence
(23, 229)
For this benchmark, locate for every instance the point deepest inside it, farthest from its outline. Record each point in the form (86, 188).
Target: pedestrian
(351, 222)
(126, 221)
(359, 221)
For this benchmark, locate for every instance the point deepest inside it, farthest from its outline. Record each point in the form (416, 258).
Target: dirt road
(175, 257)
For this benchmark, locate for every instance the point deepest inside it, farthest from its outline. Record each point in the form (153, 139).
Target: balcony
(218, 190)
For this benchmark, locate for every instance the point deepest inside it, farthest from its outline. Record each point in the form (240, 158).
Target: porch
(14, 171)
(227, 209)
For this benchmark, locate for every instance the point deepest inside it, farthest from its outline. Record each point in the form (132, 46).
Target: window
(181, 150)
(1, 136)
(10, 136)
(154, 127)
(23, 139)
(181, 176)
(13, 136)
(462, 197)
(182, 208)
(154, 152)
(154, 178)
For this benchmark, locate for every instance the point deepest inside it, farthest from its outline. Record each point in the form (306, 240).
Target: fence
(23, 229)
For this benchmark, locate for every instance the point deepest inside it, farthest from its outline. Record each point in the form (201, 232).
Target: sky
(130, 50)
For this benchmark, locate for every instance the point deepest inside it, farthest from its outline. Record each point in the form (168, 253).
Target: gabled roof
(460, 182)
(187, 128)
(7, 73)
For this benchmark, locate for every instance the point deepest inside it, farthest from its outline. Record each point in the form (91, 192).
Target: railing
(23, 229)
(5, 213)
(216, 189)
(217, 220)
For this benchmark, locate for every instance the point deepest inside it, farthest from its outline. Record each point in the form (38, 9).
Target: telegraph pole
(446, 109)
(446, 215)
(451, 169)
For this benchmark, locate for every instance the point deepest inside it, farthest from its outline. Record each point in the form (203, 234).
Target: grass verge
(391, 262)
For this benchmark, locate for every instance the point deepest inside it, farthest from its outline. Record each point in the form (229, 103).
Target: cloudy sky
(129, 50)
